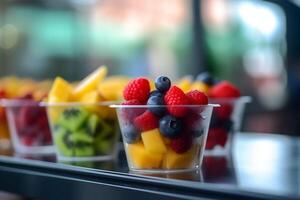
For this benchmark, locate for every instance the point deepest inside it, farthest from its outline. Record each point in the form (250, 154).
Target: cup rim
(243, 99)
(26, 102)
(163, 106)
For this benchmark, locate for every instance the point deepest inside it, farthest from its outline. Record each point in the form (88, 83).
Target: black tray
(260, 166)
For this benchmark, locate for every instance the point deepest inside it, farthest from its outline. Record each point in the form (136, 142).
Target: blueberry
(158, 102)
(206, 78)
(170, 126)
(130, 134)
(162, 83)
(156, 93)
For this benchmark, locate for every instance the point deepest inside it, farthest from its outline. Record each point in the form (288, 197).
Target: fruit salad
(163, 129)
(83, 126)
(28, 124)
(19, 90)
(226, 118)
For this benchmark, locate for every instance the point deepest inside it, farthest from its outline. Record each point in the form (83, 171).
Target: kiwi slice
(63, 141)
(103, 146)
(91, 124)
(73, 118)
(83, 151)
(81, 136)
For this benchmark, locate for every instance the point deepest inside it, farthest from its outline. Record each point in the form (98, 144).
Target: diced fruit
(216, 136)
(182, 143)
(173, 160)
(141, 158)
(73, 118)
(224, 89)
(92, 124)
(128, 114)
(196, 97)
(103, 146)
(111, 88)
(185, 84)
(162, 84)
(206, 78)
(170, 126)
(90, 83)
(60, 91)
(84, 151)
(130, 133)
(63, 141)
(156, 105)
(138, 89)
(153, 142)
(224, 111)
(81, 137)
(200, 86)
(146, 121)
(174, 98)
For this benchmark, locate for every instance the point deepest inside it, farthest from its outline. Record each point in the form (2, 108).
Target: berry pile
(161, 134)
(221, 123)
(32, 123)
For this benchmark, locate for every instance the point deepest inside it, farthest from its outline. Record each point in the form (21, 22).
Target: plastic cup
(83, 132)
(28, 125)
(226, 120)
(148, 150)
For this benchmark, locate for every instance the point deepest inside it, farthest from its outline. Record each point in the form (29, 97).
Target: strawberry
(146, 121)
(128, 113)
(224, 89)
(196, 97)
(175, 97)
(138, 89)
(182, 144)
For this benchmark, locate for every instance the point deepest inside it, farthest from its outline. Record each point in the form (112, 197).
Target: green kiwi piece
(103, 146)
(81, 136)
(63, 141)
(73, 118)
(84, 151)
(92, 123)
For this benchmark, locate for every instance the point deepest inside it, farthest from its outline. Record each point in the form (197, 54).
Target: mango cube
(60, 91)
(202, 87)
(140, 158)
(90, 83)
(173, 160)
(154, 142)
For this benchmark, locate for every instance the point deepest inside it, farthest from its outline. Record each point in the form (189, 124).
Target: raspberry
(175, 96)
(217, 136)
(197, 98)
(138, 89)
(182, 144)
(224, 89)
(146, 121)
(224, 112)
(128, 114)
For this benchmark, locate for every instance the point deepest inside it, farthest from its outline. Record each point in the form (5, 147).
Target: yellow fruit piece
(154, 142)
(185, 84)
(89, 83)
(202, 87)
(111, 89)
(173, 160)
(60, 91)
(140, 158)
(91, 98)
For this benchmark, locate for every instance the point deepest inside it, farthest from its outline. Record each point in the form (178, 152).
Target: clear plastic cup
(83, 132)
(150, 151)
(28, 125)
(226, 120)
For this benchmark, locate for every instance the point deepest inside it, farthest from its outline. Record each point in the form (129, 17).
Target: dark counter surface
(260, 166)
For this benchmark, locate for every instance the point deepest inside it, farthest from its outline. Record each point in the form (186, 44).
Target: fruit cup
(164, 144)
(28, 125)
(225, 121)
(83, 132)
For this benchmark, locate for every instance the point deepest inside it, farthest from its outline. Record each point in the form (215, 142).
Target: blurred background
(253, 43)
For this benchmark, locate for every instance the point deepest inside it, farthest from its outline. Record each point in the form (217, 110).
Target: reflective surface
(260, 163)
